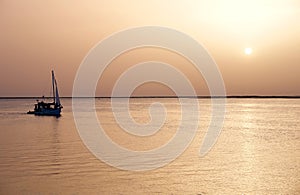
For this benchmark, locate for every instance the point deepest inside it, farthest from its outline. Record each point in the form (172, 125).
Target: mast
(53, 91)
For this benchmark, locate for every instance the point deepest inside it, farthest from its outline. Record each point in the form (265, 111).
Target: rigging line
(50, 90)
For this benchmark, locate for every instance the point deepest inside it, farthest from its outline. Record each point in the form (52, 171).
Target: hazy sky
(37, 36)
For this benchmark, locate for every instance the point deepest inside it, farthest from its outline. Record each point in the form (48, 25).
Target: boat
(49, 109)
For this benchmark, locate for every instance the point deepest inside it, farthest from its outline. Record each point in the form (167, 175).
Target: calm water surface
(258, 151)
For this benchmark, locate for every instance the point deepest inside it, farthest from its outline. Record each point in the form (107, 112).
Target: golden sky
(38, 36)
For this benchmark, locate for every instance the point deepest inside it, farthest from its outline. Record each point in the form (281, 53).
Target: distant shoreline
(198, 97)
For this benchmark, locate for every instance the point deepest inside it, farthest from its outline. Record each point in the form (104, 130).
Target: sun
(248, 50)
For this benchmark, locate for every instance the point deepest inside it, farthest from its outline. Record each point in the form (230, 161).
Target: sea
(256, 152)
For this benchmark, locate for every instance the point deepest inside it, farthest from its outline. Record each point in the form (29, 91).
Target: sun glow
(248, 50)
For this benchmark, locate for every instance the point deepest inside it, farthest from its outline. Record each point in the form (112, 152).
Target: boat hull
(52, 112)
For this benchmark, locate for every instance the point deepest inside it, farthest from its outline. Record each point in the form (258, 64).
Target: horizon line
(198, 97)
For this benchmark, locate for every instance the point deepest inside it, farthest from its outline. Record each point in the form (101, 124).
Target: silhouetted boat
(49, 109)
